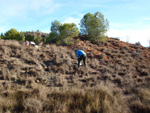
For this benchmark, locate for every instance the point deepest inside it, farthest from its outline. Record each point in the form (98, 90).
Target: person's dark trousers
(82, 57)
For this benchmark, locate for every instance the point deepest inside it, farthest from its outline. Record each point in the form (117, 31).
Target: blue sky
(129, 19)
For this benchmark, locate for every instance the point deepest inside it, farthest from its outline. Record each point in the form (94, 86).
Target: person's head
(77, 50)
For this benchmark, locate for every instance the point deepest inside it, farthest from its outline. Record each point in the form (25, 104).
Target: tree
(94, 25)
(67, 32)
(22, 37)
(13, 34)
(34, 37)
(1, 36)
(54, 35)
(29, 37)
(55, 27)
(62, 33)
(38, 39)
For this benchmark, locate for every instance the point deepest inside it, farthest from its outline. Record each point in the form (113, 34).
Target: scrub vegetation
(46, 79)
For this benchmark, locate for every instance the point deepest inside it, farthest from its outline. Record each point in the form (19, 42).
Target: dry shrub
(118, 80)
(107, 76)
(109, 70)
(140, 101)
(21, 81)
(12, 101)
(94, 63)
(40, 91)
(60, 81)
(138, 107)
(55, 103)
(13, 43)
(10, 43)
(2, 87)
(101, 100)
(4, 74)
(144, 72)
(120, 61)
(6, 85)
(29, 82)
(32, 105)
(72, 55)
(7, 104)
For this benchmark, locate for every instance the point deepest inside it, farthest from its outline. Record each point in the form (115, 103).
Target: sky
(129, 20)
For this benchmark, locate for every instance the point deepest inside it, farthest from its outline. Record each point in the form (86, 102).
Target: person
(27, 43)
(81, 56)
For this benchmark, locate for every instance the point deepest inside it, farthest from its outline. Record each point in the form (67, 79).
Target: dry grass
(40, 99)
(32, 105)
(140, 101)
(47, 79)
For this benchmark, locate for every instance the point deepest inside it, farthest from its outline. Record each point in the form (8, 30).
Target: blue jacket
(80, 53)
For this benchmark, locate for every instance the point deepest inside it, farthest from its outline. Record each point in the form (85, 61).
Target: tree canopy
(62, 33)
(13, 34)
(94, 25)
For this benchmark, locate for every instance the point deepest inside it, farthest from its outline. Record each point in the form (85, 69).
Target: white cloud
(21, 8)
(19, 13)
(43, 6)
(131, 36)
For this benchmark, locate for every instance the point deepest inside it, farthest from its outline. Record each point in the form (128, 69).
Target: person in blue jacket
(81, 56)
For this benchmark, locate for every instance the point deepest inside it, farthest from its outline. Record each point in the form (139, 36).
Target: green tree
(54, 34)
(13, 34)
(1, 36)
(34, 37)
(22, 37)
(38, 39)
(55, 27)
(94, 26)
(62, 33)
(67, 32)
(29, 37)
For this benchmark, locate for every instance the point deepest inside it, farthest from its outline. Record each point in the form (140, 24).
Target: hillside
(116, 64)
